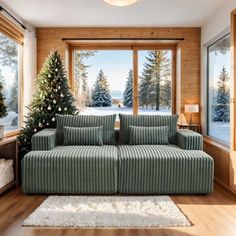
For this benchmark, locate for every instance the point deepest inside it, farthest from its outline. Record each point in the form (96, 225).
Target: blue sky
(115, 64)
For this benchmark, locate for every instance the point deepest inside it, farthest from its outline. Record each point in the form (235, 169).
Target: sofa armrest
(44, 140)
(189, 140)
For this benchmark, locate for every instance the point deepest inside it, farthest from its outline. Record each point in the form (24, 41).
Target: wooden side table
(193, 127)
(9, 150)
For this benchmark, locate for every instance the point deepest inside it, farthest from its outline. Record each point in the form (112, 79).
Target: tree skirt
(107, 211)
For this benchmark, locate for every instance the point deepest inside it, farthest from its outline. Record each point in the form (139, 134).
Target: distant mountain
(116, 94)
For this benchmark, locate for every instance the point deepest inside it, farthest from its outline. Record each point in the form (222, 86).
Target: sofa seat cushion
(164, 169)
(71, 170)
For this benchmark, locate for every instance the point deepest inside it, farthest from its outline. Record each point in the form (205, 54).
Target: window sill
(11, 134)
(217, 144)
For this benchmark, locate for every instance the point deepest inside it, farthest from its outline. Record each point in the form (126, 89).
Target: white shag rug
(107, 211)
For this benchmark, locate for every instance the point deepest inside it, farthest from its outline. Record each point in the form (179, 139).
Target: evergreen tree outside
(156, 69)
(52, 96)
(128, 93)
(165, 99)
(3, 107)
(101, 95)
(222, 108)
(146, 90)
(13, 99)
(81, 77)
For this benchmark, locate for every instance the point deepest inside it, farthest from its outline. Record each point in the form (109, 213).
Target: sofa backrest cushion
(139, 135)
(83, 136)
(107, 122)
(147, 121)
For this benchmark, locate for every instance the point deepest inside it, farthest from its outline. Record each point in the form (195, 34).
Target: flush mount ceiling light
(120, 3)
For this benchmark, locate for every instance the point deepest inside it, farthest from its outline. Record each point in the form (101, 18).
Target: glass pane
(219, 89)
(9, 77)
(103, 81)
(155, 75)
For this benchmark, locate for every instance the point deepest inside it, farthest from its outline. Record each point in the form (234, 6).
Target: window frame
(134, 47)
(15, 33)
(207, 46)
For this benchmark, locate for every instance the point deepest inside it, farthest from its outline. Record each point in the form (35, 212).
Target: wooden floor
(213, 215)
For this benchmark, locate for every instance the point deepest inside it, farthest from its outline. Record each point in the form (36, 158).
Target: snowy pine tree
(101, 95)
(13, 99)
(155, 69)
(165, 98)
(81, 77)
(52, 96)
(128, 93)
(222, 108)
(3, 107)
(146, 90)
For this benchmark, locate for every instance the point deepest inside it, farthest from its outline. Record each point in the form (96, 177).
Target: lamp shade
(120, 3)
(191, 108)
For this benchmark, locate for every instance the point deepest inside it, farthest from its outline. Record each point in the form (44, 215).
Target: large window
(104, 81)
(9, 77)
(218, 115)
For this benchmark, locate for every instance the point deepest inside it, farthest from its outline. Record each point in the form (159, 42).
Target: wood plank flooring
(212, 215)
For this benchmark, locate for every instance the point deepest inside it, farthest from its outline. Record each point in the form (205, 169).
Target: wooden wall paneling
(232, 166)
(221, 161)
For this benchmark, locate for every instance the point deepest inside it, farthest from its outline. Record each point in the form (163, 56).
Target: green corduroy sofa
(179, 167)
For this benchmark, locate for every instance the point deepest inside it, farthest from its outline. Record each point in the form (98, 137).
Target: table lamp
(191, 108)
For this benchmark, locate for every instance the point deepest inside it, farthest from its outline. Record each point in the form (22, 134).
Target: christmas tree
(101, 95)
(3, 108)
(52, 96)
(222, 109)
(128, 93)
(155, 70)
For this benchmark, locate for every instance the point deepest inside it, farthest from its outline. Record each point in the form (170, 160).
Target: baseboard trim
(225, 187)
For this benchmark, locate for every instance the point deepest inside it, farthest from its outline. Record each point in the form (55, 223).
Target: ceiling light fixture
(120, 3)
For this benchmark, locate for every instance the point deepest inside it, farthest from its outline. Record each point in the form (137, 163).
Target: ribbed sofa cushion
(164, 169)
(107, 122)
(148, 135)
(147, 121)
(71, 170)
(83, 135)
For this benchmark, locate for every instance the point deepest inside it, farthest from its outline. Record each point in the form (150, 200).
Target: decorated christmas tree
(3, 108)
(52, 97)
(222, 108)
(101, 94)
(128, 93)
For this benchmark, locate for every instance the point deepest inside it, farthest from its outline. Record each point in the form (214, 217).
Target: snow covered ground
(123, 110)
(220, 130)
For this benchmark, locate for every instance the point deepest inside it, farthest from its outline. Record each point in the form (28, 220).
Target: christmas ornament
(49, 108)
(59, 109)
(65, 109)
(56, 69)
(53, 119)
(40, 125)
(49, 75)
(54, 101)
(62, 95)
(35, 130)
